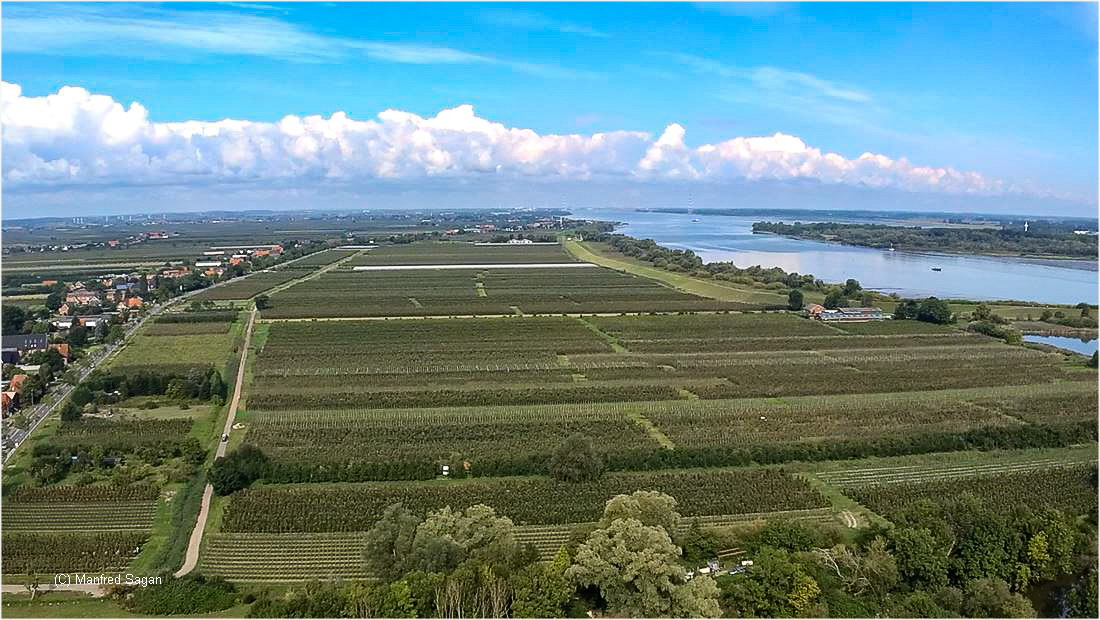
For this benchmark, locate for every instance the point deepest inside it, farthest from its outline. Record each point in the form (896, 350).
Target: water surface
(1083, 346)
(910, 274)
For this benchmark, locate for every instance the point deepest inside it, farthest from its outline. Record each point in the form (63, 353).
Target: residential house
(64, 310)
(16, 383)
(134, 302)
(27, 343)
(62, 322)
(10, 400)
(9, 355)
(63, 349)
(82, 298)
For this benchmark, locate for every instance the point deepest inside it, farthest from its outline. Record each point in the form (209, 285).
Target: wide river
(910, 274)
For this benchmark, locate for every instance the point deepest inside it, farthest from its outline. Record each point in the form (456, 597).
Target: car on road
(225, 436)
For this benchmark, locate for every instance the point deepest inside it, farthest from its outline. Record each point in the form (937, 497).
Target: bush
(241, 468)
(190, 595)
(575, 460)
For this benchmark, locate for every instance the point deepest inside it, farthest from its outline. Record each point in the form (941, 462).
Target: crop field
(250, 286)
(320, 259)
(355, 507)
(882, 328)
(1070, 488)
(65, 552)
(430, 345)
(146, 351)
(458, 253)
(449, 292)
(156, 252)
(339, 555)
(188, 329)
(434, 435)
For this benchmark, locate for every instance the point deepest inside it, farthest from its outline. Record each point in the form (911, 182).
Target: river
(1084, 346)
(909, 274)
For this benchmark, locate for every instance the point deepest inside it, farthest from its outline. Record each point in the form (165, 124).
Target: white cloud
(74, 138)
(530, 20)
(186, 35)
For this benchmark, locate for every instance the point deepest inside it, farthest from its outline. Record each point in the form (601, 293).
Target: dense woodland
(963, 240)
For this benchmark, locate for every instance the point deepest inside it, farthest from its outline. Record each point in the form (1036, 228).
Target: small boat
(695, 220)
(937, 269)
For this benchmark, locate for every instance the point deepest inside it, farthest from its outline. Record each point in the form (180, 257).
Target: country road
(192, 558)
(61, 391)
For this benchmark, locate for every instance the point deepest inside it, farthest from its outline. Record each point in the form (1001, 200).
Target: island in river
(1045, 244)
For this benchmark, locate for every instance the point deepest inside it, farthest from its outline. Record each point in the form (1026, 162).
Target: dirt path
(192, 558)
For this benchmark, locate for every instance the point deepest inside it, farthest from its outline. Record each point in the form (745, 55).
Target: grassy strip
(687, 284)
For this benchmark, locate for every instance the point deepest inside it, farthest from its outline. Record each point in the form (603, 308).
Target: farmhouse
(821, 313)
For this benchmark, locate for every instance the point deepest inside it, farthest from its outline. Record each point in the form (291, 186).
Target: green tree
(447, 538)
(991, 598)
(776, 587)
(542, 590)
(795, 299)
(77, 336)
(834, 299)
(389, 543)
(13, 319)
(651, 508)
(55, 300)
(262, 302)
(1082, 597)
(637, 571)
(575, 460)
(239, 469)
(934, 310)
(921, 559)
(851, 287)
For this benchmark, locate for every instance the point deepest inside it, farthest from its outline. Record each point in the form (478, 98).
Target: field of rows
(448, 434)
(322, 258)
(881, 328)
(70, 552)
(355, 507)
(187, 329)
(450, 292)
(1071, 488)
(250, 286)
(339, 555)
(84, 517)
(457, 253)
(947, 465)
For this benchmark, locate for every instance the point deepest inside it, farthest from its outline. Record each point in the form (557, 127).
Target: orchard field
(454, 381)
(677, 393)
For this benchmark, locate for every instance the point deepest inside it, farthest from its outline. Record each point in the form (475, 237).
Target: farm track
(195, 543)
(314, 273)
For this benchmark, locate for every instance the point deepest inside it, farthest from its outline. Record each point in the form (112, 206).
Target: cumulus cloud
(75, 138)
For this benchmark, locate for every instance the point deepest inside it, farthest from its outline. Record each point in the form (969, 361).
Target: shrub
(190, 595)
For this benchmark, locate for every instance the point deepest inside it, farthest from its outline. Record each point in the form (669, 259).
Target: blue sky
(1004, 91)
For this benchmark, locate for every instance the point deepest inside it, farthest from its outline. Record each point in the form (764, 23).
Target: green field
(458, 253)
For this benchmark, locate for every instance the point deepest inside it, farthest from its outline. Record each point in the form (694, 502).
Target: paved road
(192, 557)
(48, 587)
(60, 391)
